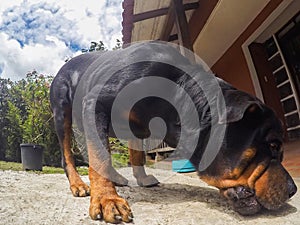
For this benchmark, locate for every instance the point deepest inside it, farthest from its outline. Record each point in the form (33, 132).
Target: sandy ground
(28, 198)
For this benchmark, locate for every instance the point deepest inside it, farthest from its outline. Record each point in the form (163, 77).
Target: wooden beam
(150, 14)
(161, 12)
(176, 15)
(182, 25)
(196, 23)
(166, 149)
(169, 23)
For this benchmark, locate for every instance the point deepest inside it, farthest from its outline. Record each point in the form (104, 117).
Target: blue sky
(40, 35)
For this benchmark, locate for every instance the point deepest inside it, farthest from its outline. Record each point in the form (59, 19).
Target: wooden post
(176, 15)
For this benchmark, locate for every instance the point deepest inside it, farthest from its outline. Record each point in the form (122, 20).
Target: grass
(10, 166)
(46, 169)
(120, 158)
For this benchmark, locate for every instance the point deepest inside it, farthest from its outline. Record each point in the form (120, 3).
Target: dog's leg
(63, 124)
(138, 160)
(105, 203)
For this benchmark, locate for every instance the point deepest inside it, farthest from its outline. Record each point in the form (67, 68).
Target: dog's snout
(292, 188)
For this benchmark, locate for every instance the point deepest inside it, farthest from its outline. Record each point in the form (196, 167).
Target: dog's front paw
(80, 189)
(147, 181)
(112, 209)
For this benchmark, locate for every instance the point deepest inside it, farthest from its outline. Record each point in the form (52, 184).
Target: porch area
(291, 161)
(292, 158)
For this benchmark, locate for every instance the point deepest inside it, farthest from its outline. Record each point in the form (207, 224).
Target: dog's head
(248, 169)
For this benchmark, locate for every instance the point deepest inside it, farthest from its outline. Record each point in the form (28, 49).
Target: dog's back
(65, 82)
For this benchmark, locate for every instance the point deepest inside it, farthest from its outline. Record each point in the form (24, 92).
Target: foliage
(36, 99)
(99, 46)
(119, 152)
(15, 131)
(120, 160)
(26, 117)
(95, 46)
(118, 146)
(118, 45)
(4, 96)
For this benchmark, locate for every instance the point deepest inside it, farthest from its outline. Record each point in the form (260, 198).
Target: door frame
(257, 33)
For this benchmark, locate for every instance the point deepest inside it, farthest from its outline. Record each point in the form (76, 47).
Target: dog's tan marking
(77, 186)
(244, 174)
(105, 203)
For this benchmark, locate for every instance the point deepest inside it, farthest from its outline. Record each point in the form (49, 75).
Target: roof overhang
(213, 25)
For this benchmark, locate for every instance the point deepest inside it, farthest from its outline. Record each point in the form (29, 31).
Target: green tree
(26, 117)
(14, 131)
(15, 116)
(100, 46)
(118, 45)
(4, 97)
(36, 97)
(95, 46)
(38, 126)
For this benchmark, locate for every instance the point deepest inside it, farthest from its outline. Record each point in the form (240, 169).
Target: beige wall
(232, 66)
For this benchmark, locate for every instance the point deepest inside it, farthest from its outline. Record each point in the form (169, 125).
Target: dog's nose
(292, 188)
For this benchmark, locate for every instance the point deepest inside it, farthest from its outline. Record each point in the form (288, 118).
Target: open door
(266, 79)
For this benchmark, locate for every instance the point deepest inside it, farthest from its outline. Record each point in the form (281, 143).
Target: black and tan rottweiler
(247, 169)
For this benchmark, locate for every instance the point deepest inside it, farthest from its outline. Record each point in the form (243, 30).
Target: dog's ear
(236, 105)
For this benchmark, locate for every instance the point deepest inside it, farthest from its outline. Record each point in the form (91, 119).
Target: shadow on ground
(179, 193)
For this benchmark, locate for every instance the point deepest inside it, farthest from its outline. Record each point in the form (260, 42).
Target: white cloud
(41, 34)
(18, 61)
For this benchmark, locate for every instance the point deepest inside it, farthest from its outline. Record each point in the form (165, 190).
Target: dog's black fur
(95, 79)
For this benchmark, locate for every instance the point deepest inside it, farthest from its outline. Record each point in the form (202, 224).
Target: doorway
(277, 63)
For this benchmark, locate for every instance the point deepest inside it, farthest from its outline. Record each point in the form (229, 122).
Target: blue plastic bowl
(182, 166)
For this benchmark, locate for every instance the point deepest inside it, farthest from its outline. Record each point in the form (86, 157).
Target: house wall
(232, 66)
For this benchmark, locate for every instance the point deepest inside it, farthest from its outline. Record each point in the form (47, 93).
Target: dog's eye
(274, 146)
(276, 150)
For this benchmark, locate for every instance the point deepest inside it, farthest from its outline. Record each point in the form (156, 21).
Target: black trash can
(32, 156)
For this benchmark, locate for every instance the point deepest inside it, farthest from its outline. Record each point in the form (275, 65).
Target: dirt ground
(28, 198)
